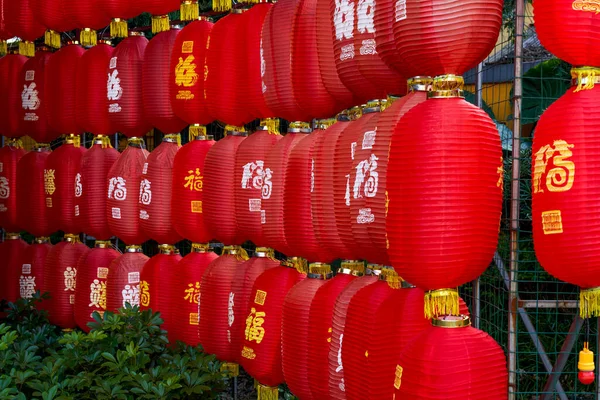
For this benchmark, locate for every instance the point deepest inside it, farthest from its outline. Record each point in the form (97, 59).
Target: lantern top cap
(447, 86)
(419, 84)
(134, 33)
(15, 142)
(73, 139)
(102, 244)
(235, 130)
(451, 321)
(352, 267)
(585, 77)
(12, 236)
(133, 249)
(372, 106)
(166, 248)
(72, 238)
(356, 112)
(325, 123)
(41, 147)
(299, 127)
(135, 141)
(318, 270)
(264, 252)
(298, 263)
(41, 240)
(172, 138)
(200, 247)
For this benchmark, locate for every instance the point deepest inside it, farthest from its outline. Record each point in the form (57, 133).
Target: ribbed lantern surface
(123, 282)
(32, 214)
(11, 89)
(11, 251)
(10, 155)
(32, 263)
(21, 23)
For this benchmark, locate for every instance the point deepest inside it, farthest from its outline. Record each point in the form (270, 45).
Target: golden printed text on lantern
(254, 325)
(145, 293)
(185, 72)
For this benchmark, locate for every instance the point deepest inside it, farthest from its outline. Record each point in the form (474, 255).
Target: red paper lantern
(121, 11)
(20, 22)
(123, 282)
(91, 16)
(60, 274)
(186, 80)
(470, 33)
(60, 185)
(10, 101)
(55, 15)
(10, 155)
(159, 10)
(124, 87)
(241, 287)
(122, 206)
(92, 273)
(219, 189)
(155, 192)
(249, 183)
(32, 215)
(384, 16)
(155, 83)
(261, 351)
(92, 103)
(32, 264)
(11, 251)
(295, 328)
(184, 294)
(218, 310)
(4, 33)
(478, 364)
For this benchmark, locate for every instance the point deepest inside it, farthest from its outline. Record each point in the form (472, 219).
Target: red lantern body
(11, 251)
(478, 365)
(32, 214)
(186, 81)
(122, 9)
(60, 274)
(384, 17)
(10, 101)
(10, 155)
(4, 33)
(249, 181)
(89, 14)
(161, 7)
(446, 254)
(122, 206)
(185, 295)
(155, 83)
(91, 203)
(425, 50)
(124, 87)
(155, 193)
(20, 21)
(54, 14)
(219, 189)
(32, 264)
(90, 292)
(261, 351)
(123, 282)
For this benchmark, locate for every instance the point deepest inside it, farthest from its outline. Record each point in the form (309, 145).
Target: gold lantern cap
(299, 127)
(585, 78)
(12, 236)
(135, 141)
(102, 244)
(451, 321)
(235, 130)
(166, 249)
(419, 84)
(352, 267)
(200, 247)
(134, 248)
(447, 87)
(41, 239)
(325, 123)
(41, 147)
(72, 238)
(319, 270)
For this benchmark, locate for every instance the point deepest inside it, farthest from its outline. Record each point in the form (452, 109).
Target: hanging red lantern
(155, 192)
(123, 282)
(478, 364)
(21, 23)
(90, 291)
(56, 16)
(295, 328)
(155, 83)
(425, 49)
(10, 101)
(31, 266)
(124, 87)
(218, 309)
(120, 11)
(61, 89)
(32, 215)
(10, 155)
(385, 14)
(90, 16)
(184, 294)
(122, 206)
(4, 33)
(11, 251)
(160, 10)
(446, 256)
(60, 273)
(60, 185)
(249, 178)
(219, 190)
(92, 103)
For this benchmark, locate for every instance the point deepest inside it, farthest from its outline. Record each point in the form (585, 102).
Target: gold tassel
(189, 10)
(196, 130)
(26, 49)
(104, 141)
(441, 302)
(52, 39)
(357, 268)
(73, 139)
(237, 251)
(272, 125)
(15, 142)
(160, 23)
(589, 302)
(174, 136)
(232, 368)
(267, 392)
(298, 263)
(586, 77)
(88, 37)
(118, 28)
(3, 48)
(233, 128)
(71, 238)
(221, 5)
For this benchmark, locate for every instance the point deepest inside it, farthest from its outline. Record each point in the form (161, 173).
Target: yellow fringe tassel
(27, 49)
(272, 125)
(189, 10)
(52, 39)
(15, 142)
(232, 368)
(221, 5)
(319, 269)
(160, 23)
(3, 48)
(71, 238)
(325, 123)
(73, 139)
(237, 251)
(298, 263)
(441, 302)
(174, 136)
(118, 28)
(196, 130)
(357, 267)
(267, 392)
(88, 37)
(105, 140)
(586, 77)
(270, 253)
(589, 302)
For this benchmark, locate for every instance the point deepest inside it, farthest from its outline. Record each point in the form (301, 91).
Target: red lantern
(159, 10)
(56, 16)
(274, 184)
(10, 101)
(91, 16)
(34, 99)
(184, 294)
(261, 351)
(186, 73)
(123, 282)
(60, 272)
(122, 206)
(219, 189)
(218, 310)
(20, 22)
(384, 16)
(4, 33)
(187, 214)
(243, 281)
(124, 87)
(92, 103)
(155, 83)
(295, 328)
(90, 291)
(155, 192)
(425, 49)
(60, 185)
(120, 11)
(32, 263)
(11, 251)
(32, 215)
(249, 183)
(10, 155)
(478, 364)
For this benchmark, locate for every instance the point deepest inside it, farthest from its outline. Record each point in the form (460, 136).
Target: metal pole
(477, 282)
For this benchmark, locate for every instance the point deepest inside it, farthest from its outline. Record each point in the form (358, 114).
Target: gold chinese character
(102, 273)
(192, 293)
(260, 297)
(196, 207)
(398, 377)
(49, 185)
(561, 177)
(145, 293)
(194, 180)
(248, 353)
(185, 72)
(187, 46)
(552, 222)
(500, 172)
(70, 274)
(194, 318)
(98, 294)
(254, 330)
